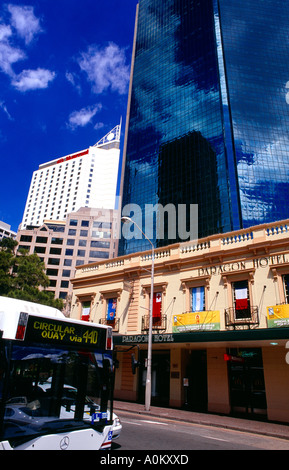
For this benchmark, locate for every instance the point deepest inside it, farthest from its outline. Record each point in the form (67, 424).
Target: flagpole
(148, 387)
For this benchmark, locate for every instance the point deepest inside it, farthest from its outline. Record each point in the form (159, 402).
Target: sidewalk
(238, 424)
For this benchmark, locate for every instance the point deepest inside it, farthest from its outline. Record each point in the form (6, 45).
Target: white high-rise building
(83, 179)
(5, 231)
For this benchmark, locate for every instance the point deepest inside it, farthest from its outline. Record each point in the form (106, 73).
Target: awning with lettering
(226, 337)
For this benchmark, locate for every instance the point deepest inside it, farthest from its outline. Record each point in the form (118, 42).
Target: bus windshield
(46, 389)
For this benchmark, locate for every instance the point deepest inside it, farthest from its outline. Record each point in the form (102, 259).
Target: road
(149, 433)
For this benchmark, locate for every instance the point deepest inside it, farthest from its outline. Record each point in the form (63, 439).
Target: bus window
(51, 389)
(2, 376)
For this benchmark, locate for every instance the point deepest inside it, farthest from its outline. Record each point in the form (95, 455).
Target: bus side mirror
(134, 364)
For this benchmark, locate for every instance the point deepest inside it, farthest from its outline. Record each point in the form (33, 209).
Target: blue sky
(64, 75)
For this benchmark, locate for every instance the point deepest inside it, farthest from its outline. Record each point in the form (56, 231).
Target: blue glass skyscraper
(208, 116)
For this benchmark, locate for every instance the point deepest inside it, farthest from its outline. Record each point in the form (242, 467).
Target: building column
(218, 382)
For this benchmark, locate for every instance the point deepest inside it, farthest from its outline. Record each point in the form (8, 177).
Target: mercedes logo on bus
(64, 443)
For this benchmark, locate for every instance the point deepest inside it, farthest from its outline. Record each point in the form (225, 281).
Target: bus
(56, 380)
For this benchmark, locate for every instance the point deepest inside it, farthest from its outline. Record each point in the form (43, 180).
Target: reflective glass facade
(256, 51)
(209, 113)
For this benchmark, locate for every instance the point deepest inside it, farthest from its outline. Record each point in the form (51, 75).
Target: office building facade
(208, 113)
(5, 231)
(83, 179)
(85, 236)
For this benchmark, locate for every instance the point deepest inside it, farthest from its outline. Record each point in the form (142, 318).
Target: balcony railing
(114, 323)
(159, 323)
(245, 318)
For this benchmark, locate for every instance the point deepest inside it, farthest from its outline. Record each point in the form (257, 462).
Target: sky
(64, 77)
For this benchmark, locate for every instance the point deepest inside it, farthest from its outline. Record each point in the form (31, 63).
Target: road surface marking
(130, 422)
(215, 438)
(154, 422)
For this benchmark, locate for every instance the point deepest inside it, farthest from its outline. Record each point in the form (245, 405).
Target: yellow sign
(278, 315)
(194, 321)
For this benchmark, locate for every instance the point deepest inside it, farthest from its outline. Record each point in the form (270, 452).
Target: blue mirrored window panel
(256, 50)
(209, 113)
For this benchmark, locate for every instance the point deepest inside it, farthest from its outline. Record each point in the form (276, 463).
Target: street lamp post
(148, 387)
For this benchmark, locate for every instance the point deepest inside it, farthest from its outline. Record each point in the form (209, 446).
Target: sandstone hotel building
(220, 321)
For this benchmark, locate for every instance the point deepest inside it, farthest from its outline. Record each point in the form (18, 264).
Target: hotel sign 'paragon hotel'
(220, 321)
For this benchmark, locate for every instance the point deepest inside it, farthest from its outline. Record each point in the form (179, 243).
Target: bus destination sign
(48, 330)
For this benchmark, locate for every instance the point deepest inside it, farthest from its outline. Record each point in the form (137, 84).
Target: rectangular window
(99, 244)
(62, 295)
(55, 251)
(69, 252)
(97, 234)
(41, 239)
(55, 387)
(26, 238)
(73, 222)
(64, 284)
(98, 254)
(39, 249)
(56, 241)
(79, 262)
(52, 272)
(66, 272)
(54, 261)
(81, 253)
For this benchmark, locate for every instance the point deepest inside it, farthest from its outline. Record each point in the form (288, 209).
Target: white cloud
(99, 125)
(83, 117)
(8, 56)
(5, 32)
(106, 68)
(25, 22)
(24, 25)
(4, 108)
(71, 78)
(33, 79)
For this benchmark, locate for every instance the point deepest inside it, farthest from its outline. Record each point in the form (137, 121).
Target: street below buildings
(156, 433)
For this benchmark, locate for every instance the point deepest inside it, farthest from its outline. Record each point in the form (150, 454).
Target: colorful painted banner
(278, 316)
(194, 321)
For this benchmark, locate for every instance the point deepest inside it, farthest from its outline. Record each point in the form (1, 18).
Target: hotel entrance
(246, 381)
(195, 383)
(160, 394)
